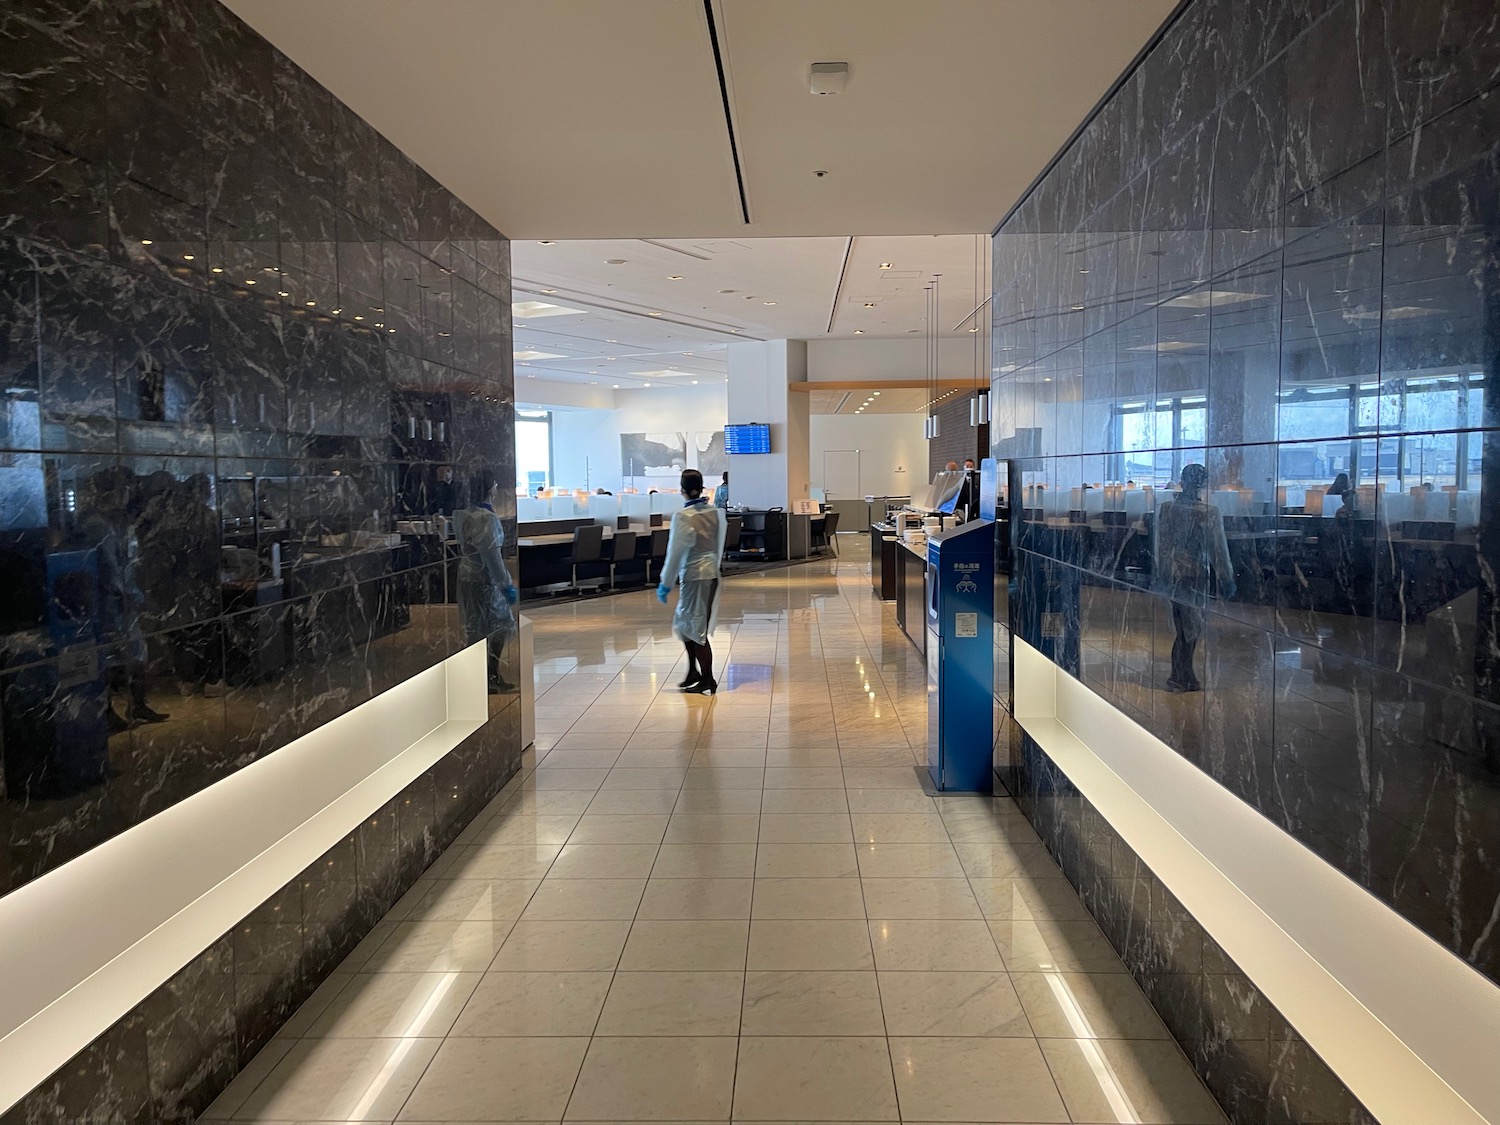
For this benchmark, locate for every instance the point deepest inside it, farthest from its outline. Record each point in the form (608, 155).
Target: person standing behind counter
(694, 549)
(721, 494)
(486, 591)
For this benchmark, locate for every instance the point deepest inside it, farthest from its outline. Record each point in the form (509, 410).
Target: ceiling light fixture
(674, 277)
(859, 331)
(218, 269)
(546, 242)
(187, 257)
(768, 302)
(654, 314)
(249, 281)
(885, 265)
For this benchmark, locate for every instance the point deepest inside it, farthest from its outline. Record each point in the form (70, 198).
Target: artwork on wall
(653, 455)
(712, 460)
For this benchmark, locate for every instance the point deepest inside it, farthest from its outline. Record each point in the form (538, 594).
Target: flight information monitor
(748, 437)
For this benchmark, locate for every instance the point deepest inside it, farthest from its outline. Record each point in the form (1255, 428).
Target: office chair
(658, 554)
(588, 547)
(825, 537)
(622, 549)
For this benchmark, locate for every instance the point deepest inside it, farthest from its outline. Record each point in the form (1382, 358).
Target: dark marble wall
(239, 334)
(1275, 252)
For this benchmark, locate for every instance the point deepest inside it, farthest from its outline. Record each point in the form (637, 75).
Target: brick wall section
(958, 439)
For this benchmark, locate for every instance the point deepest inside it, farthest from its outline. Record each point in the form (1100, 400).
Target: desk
(555, 540)
(763, 533)
(543, 558)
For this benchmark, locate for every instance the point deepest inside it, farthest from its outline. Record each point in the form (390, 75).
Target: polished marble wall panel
(240, 334)
(1275, 253)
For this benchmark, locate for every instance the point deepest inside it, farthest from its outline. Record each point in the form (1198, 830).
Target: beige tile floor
(740, 908)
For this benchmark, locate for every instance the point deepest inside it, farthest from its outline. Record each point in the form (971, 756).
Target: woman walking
(694, 549)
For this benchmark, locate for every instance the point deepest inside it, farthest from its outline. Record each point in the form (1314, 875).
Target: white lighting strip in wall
(82, 945)
(1407, 1026)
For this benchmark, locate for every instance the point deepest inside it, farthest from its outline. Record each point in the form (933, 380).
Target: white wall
(886, 443)
(586, 443)
(873, 360)
(759, 374)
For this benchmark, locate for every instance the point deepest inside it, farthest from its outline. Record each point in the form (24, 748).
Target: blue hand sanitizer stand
(961, 657)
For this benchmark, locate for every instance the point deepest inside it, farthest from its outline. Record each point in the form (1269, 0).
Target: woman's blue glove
(662, 592)
(512, 595)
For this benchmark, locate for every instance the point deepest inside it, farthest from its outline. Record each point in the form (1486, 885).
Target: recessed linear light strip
(675, 249)
(723, 72)
(84, 943)
(838, 290)
(522, 286)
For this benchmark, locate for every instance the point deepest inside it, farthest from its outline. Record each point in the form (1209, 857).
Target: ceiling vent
(829, 77)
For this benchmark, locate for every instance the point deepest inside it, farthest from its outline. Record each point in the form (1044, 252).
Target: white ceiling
(663, 299)
(869, 400)
(604, 118)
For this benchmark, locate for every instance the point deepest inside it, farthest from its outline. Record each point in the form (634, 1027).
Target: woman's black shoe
(702, 687)
(692, 679)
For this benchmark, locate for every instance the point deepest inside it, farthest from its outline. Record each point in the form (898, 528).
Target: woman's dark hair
(481, 484)
(691, 483)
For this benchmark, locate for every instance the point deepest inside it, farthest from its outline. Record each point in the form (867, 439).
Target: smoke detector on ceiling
(829, 77)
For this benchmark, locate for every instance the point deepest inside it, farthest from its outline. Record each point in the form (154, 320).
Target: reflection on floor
(742, 907)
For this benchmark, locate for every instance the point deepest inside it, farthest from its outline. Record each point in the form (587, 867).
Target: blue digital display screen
(749, 437)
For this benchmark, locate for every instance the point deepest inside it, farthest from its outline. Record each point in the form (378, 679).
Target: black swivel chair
(824, 536)
(622, 550)
(588, 548)
(658, 556)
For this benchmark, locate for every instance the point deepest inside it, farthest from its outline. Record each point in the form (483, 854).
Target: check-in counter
(883, 560)
(911, 594)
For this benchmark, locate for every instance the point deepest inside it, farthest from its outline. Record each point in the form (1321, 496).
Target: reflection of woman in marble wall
(112, 500)
(1191, 554)
(486, 592)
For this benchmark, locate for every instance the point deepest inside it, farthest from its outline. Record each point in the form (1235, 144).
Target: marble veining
(239, 334)
(1274, 254)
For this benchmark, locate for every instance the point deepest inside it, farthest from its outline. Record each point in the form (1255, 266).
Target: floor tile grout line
(614, 973)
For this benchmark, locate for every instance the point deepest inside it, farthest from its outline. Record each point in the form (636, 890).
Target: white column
(760, 377)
